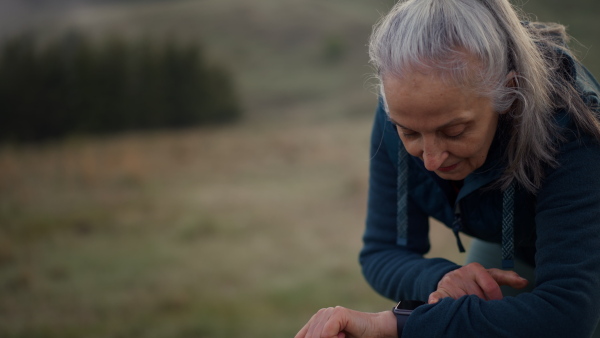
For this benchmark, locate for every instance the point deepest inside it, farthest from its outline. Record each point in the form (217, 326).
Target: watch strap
(402, 311)
(401, 321)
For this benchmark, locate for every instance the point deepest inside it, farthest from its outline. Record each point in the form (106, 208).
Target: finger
(437, 295)
(304, 330)
(468, 286)
(337, 322)
(489, 286)
(461, 282)
(434, 297)
(318, 321)
(509, 278)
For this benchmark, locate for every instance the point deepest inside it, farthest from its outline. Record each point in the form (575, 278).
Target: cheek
(473, 153)
(462, 149)
(466, 149)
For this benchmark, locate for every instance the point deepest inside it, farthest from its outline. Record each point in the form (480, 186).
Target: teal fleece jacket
(557, 231)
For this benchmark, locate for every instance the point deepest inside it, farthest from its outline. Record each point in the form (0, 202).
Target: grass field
(234, 232)
(238, 231)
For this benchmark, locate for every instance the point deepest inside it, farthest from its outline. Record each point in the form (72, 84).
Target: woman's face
(449, 128)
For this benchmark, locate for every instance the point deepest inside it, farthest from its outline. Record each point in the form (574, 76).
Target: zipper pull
(456, 226)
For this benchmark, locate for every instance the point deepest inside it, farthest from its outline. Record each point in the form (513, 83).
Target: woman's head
(449, 128)
(481, 48)
(458, 40)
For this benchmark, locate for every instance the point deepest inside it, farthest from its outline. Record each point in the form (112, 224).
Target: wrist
(388, 324)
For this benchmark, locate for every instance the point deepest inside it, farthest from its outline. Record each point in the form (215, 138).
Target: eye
(407, 133)
(454, 132)
(453, 137)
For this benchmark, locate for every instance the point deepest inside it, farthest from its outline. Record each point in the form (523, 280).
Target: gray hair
(477, 44)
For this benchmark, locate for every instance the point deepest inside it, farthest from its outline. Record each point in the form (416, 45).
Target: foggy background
(192, 168)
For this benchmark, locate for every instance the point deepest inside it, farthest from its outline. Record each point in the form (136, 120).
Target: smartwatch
(402, 310)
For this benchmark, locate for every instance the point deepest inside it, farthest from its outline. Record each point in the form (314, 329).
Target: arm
(566, 300)
(340, 322)
(395, 271)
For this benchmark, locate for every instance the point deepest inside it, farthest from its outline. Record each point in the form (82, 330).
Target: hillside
(286, 55)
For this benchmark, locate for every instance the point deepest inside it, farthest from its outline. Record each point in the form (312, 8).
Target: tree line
(73, 86)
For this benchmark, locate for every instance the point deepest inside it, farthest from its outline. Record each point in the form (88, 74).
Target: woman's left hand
(340, 322)
(474, 279)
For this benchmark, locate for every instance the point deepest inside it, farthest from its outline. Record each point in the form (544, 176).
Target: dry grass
(241, 231)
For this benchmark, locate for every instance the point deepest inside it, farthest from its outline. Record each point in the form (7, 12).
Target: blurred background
(192, 168)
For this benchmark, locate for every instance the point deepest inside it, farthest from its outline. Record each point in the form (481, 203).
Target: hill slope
(289, 56)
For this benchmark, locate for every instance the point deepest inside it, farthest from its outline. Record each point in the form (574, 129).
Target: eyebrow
(456, 120)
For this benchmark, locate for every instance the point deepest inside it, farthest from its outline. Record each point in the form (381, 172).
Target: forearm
(528, 315)
(398, 274)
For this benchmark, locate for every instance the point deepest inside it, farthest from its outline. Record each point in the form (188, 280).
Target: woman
(489, 125)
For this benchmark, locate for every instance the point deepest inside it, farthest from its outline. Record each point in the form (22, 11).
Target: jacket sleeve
(396, 272)
(566, 298)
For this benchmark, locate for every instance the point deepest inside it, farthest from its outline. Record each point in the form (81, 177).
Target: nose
(433, 154)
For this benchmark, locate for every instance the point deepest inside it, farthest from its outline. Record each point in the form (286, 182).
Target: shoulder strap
(402, 196)
(508, 224)
(399, 157)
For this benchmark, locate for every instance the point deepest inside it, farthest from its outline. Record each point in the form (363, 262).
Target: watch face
(409, 304)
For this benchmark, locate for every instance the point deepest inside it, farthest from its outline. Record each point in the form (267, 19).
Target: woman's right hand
(340, 322)
(474, 279)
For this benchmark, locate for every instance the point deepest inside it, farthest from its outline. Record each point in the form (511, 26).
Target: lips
(449, 168)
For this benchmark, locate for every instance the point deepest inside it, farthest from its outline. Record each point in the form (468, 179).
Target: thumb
(509, 278)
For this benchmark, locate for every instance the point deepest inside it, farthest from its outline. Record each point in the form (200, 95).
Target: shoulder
(553, 41)
(577, 150)
(577, 158)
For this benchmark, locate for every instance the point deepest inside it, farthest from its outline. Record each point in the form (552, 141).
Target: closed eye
(453, 137)
(406, 132)
(454, 132)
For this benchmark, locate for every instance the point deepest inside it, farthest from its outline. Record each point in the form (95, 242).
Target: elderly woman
(489, 125)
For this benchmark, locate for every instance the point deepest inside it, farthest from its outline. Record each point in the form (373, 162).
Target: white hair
(484, 46)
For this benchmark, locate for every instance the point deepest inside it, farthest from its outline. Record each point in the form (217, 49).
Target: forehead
(428, 84)
(425, 101)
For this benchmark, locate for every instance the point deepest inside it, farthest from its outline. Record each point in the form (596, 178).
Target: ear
(511, 79)
(510, 82)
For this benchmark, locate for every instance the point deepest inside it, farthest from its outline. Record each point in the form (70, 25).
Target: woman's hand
(339, 322)
(474, 279)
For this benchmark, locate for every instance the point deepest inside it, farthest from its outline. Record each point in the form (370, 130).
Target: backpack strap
(399, 156)
(508, 225)
(402, 196)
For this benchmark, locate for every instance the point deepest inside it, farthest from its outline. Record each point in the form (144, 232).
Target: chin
(452, 176)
